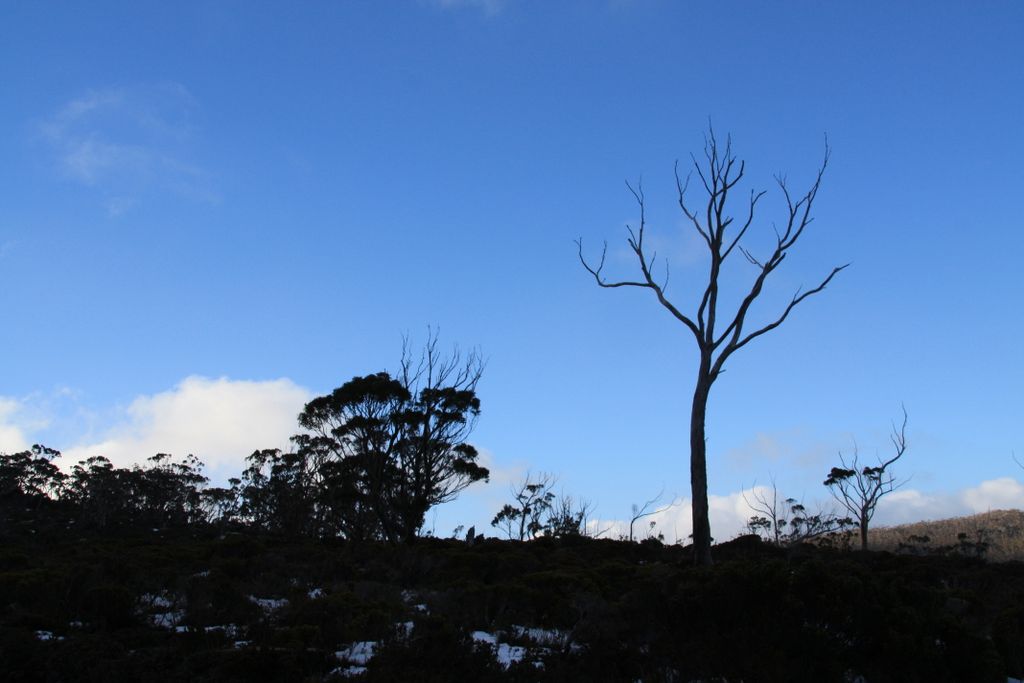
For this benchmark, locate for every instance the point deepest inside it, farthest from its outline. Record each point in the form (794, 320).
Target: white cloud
(12, 433)
(995, 494)
(125, 142)
(728, 515)
(500, 474)
(910, 505)
(221, 421)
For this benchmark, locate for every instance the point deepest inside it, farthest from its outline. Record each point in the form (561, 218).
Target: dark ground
(623, 612)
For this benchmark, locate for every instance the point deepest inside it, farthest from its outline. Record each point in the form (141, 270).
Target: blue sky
(213, 211)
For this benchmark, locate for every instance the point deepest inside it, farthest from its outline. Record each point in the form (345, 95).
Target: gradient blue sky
(211, 211)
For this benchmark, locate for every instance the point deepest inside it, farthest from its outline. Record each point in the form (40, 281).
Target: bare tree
(858, 489)
(718, 334)
(768, 519)
(648, 509)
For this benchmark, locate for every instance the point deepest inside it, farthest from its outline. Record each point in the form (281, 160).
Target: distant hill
(997, 535)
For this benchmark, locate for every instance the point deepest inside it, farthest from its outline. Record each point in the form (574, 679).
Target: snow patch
(484, 637)
(542, 636)
(349, 671)
(167, 619)
(47, 635)
(506, 654)
(357, 653)
(156, 600)
(269, 604)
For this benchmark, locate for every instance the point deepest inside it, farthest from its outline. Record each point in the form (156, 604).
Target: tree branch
(737, 343)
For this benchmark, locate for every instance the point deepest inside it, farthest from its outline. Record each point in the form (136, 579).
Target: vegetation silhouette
(198, 604)
(376, 454)
(147, 573)
(788, 522)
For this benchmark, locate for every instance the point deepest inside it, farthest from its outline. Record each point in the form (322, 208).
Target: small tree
(537, 511)
(648, 509)
(858, 489)
(568, 516)
(526, 516)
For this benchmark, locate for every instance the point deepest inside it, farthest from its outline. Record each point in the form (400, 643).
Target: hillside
(997, 535)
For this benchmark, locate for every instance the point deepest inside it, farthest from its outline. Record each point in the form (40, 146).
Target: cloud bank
(221, 421)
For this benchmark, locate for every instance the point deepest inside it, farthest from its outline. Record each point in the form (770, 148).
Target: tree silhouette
(403, 438)
(858, 489)
(719, 176)
(527, 516)
(30, 485)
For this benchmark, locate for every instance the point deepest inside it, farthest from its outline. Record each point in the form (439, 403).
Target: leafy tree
(276, 492)
(398, 444)
(100, 492)
(858, 489)
(718, 333)
(222, 506)
(30, 474)
(165, 494)
(30, 483)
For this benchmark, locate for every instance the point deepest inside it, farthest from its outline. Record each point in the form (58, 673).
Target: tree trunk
(863, 533)
(699, 472)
